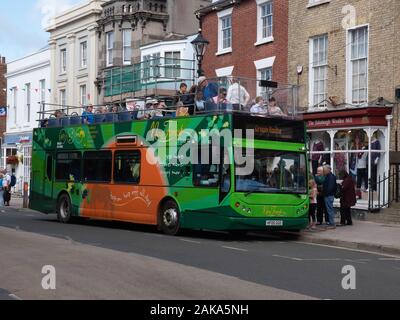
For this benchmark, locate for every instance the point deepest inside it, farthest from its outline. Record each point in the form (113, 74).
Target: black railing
(384, 191)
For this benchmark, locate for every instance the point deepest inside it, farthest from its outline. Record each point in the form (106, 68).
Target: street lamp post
(200, 46)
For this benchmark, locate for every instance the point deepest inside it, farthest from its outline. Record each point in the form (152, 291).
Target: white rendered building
(28, 86)
(74, 55)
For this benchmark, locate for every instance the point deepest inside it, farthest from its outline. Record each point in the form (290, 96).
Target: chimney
(2, 60)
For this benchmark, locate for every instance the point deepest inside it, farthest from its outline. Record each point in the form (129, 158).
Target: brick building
(3, 96)
(344, 54)
(248, 38)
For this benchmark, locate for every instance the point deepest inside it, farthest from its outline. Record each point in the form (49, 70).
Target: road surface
(111, 260)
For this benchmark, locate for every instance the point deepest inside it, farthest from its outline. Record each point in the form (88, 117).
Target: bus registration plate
(274, 223)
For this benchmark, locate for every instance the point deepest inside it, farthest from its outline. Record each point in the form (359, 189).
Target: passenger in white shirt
(237, 94)
(259, 106)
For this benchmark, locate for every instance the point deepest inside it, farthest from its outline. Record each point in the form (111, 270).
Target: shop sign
(340, 122)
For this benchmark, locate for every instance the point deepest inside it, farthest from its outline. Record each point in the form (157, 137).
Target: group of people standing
(233, 96)
(323, 191)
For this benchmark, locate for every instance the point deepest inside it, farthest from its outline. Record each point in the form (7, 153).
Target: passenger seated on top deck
(87, 115)
(102, 110)
(181, 110)
(221, 97)
(114, 109)
(237, 94)
(158, 107)
(199, 101)
(273, 109)
(144, 112)
(182, 95)
(259, 107)
(191, 97)
(44, 123)
(59, 114)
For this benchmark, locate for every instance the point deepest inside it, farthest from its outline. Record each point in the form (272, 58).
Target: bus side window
(206, 174)
(68, 166)
(97, 166)
(127, 166)
(49, 167)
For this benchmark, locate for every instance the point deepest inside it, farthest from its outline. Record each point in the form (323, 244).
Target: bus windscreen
(275, 172)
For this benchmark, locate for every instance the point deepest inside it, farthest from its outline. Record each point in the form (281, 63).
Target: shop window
(127, 167)
(358, 141)
(97, 166)
(319, 145)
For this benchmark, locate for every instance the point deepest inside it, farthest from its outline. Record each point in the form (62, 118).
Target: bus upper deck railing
(226, 94)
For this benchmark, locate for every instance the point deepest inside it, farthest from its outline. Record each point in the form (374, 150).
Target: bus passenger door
(128, 199)
(48, 201)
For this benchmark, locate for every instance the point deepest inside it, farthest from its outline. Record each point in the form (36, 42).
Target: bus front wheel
(64, 209)
(169, 218)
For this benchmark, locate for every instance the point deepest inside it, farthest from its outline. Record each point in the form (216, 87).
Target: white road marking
(13, 296)
(355, 261)
(233, 248)
(389, 259)
(322, 259)
(190, 241)
(153, 235)
(347, 249)
(286, 257)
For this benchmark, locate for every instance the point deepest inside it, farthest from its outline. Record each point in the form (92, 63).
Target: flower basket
(13, 160)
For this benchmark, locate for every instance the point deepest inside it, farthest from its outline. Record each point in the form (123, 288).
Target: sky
(22, 25)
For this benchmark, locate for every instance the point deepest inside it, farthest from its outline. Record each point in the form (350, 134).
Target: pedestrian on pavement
(1, 190)
(348, 198)
(329, 191)
(321, 210)
(313, 204)
(6, 188)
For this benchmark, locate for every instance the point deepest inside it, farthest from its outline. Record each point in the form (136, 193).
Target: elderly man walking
(329, 190)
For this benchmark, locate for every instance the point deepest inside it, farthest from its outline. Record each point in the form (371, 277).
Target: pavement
(111, 260)
(362, 235)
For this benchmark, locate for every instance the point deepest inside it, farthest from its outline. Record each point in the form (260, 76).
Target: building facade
(74, 46)
(3, 100)
(125, 26)
(248, 38)
(29, 86)
(344, 56)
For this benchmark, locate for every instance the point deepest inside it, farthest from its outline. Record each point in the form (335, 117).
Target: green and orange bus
(113, 171)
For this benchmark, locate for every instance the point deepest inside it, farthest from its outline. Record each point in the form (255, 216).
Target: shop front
(356, 140)
(17, 153)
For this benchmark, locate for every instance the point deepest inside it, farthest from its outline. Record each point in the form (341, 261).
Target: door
(48, 182)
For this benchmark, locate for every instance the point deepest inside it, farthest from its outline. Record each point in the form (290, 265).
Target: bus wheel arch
(64, 207)
(168, 218)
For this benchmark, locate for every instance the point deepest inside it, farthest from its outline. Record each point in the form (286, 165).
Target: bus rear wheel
(64, 209)
(169, 218)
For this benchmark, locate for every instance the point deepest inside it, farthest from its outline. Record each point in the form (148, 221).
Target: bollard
(25, 196)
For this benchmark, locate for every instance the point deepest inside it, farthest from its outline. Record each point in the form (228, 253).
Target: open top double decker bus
(220, 170)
